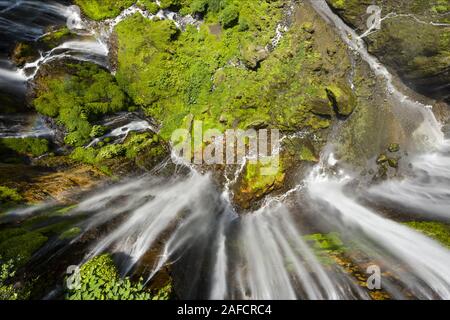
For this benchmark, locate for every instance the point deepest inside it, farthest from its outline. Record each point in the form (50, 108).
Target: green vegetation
(181, 76)
(78, 96)
(100, 280)
(326, 246)
(24, 146)
(436, 230)
(21, 246)
(7, 271)
(70, 233)
(255, 182)
(103, 9)
(9, 196)
(138, 147)
(56, 37)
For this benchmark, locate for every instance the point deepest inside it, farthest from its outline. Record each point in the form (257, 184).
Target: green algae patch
(437, 230)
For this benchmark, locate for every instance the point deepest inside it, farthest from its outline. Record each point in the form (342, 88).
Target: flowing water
(215, 253)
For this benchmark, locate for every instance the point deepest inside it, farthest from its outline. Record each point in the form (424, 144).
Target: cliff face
(414, 40)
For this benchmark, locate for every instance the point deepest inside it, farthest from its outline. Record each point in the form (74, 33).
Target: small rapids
(24, 126)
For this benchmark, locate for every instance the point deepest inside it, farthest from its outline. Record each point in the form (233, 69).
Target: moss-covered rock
(342, 98)
(255, 184)
(416, 50)
(22, 247)
(24, 52)
(103, 9)
(9, 196)
(76, 94)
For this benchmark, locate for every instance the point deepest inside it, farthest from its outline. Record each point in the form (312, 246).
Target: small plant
(100, 280)
(7, 271)
(229, 17)
(9, 196)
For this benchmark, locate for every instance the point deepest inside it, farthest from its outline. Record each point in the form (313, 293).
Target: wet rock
(321, 107)
(382, 159)
(255, 185)
(342, 98)
(394, 147)
(393, 163)
(24, 53)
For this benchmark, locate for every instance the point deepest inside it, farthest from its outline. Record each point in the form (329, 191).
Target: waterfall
(429, 133)
(425, 263)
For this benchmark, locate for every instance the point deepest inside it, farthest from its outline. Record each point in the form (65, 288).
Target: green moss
(11, 233)
(100, 280)
(138, 147)
(181, 76)
(325, 246)
(70, 233)
(255, 182)
(56, 37)
(436, 230)
(25, 146)
(77, 96)
(229, 17)
(307, 154)
(9, 196)
(103, 9)
(22, 246)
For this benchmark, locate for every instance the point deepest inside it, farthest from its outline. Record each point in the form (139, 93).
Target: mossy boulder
(342, 98)
(23, 53)
(255, 184)
(253, 55)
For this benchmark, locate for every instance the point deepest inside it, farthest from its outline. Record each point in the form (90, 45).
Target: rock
(409, 44)
(393, 163)
(394, 147)
(258, 124)
(342, 99)
(321, 107)
(307, 153)
(254, 186)
(308, 27)
(223, 119)
(253, 55)
(24, 53)
(382, 159)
